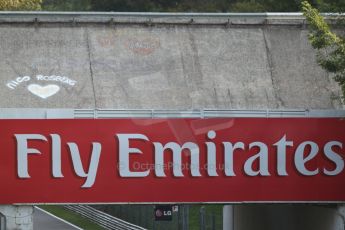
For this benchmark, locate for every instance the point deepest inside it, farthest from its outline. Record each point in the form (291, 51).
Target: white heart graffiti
(43, 91)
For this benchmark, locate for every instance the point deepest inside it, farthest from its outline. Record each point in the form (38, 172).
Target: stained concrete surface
(287, 217)
(261, 66)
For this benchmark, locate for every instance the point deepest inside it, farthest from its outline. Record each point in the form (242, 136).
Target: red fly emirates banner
(172, 160)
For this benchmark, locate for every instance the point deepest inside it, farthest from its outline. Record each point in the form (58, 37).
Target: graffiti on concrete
(38, 87)
(143, 46)
(43, 91)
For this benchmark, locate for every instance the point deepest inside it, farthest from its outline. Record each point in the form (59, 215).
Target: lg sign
(163, 212)
(172, 160)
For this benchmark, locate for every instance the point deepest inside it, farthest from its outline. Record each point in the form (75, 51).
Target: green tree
(121, 5)
(189, 5)
(161, 5)
(330, 5)
(281, 5)
(201, 6)
(329, 45)
(247, 6)
(20, 4)
(197, 5)
(66, 5)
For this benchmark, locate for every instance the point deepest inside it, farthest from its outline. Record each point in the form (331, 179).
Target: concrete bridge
(169, 61)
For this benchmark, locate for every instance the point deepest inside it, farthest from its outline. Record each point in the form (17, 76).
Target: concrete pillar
(289, 216)
(341, 212)
(18, 216)
(228, 217)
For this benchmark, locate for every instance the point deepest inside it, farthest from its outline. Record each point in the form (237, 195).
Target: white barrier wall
(18, 217)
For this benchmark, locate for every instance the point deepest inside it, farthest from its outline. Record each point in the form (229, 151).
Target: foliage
(196, 5)
(66, 5)
(280, 6)
(330, 46)
(330, 5)
(246, 6)
(122, 5)
(20, 4)
(160, 5)
(214, 212)
(189, 5)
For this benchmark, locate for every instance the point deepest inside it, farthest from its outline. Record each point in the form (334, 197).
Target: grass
(71, 217)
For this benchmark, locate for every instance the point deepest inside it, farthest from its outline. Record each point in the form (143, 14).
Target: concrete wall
(18, 217)
(175, 66)
(287, 217)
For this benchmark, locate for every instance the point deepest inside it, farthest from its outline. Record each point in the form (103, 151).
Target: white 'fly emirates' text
(303, 153)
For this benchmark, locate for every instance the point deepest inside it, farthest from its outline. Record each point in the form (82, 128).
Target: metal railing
(203, 113)
(34, 113)
(101, 218)
(148, 18)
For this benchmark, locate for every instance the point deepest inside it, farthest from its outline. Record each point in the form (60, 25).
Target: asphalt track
(46, 221)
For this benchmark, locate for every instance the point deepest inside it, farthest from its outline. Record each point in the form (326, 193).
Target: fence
(103, 219)
(188, 217)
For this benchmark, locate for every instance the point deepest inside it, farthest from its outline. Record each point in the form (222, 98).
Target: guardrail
(101, 218)
(22, 113)
(203, 113)
(152, 18)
